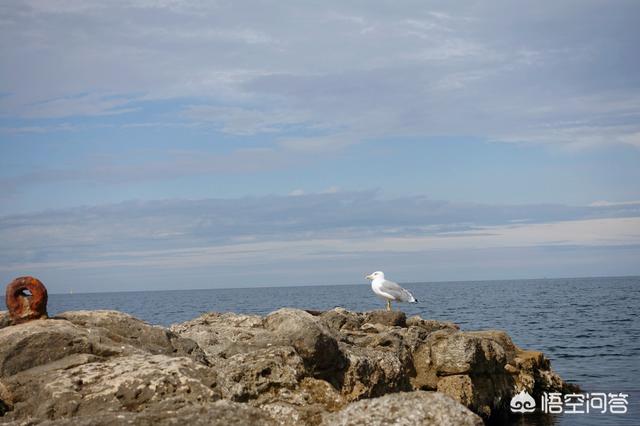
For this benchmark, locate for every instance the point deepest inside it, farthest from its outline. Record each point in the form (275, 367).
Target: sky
(173, 144)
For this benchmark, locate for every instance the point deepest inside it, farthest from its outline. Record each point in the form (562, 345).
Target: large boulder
(99, 333)
(378, 361)
(223, 335)
(311, 338)
(122, 328)
(247, 376)
(125, 383)
(6, 400)
(219, 413)
(306, 404)
(5, 320)
(371, 373)
(39, 342)
(430, 325)
(481, 369)
(339, 318)
(405, 409)
(464, 353)
(388, 318)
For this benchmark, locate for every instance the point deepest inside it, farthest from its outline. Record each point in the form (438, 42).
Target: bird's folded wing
(393, 289)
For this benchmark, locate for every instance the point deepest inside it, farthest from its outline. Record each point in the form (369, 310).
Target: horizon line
(351, 284)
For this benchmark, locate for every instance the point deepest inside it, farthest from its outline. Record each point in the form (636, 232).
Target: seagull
(389, 290)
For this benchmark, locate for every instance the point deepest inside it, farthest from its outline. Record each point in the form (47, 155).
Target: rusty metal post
(26, 299)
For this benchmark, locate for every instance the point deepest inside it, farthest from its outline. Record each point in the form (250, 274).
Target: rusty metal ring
(26, 299)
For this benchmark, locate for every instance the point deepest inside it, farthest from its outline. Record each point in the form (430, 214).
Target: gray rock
(6, 400)
(477, 392)
(305, 405)
(290, 367)
(219, 413)
(482, 369)
(247, 376)
(99, 333)
(39, 342)
(405, 409)
(371, 373)
(431, 325)
(339, 318)
(122, 328)
(126, 383)
(4, 319)
(313, 341)
(228, 334)
(463, 353)
(388, 318)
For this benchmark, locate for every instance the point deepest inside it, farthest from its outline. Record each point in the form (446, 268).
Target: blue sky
(159, 144)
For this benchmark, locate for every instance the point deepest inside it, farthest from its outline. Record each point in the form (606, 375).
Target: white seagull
(389, 290)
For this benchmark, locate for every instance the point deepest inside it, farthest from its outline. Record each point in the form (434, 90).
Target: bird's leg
(388, 305)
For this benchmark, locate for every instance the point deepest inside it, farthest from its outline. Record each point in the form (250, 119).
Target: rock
(290, 367)
(410, 408)
(462, 352)
(275, 379)
(531, 371)
(6, 400)
(371, 373)
(219, 413)
(39, 342)
(5, 320)
(482, 369)
(250, 375)
(310, 337)
(123, 328)
(129, 383)
(306, 405)
(339, 318)
(431, 325)
(225, 335)
(478, 393)
(425, 376)
(100, 333)
(388, 318)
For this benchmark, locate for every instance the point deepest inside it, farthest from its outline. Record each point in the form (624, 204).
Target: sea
(588, 327)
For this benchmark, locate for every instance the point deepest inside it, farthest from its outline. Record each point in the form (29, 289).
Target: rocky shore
(287, 368)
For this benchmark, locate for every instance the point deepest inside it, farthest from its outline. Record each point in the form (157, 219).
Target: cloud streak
(410, 70)
(262, 231)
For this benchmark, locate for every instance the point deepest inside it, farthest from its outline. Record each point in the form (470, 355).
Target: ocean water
(588, 327)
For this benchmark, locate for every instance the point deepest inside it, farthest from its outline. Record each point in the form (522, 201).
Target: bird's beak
(369, 277)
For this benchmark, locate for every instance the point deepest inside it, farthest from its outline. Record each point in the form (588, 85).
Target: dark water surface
(588, 327)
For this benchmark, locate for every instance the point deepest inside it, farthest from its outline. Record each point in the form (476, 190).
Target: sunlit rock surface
(289, 367)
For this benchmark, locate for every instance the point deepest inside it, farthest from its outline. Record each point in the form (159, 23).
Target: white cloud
(331, 190)
(333, 222)
(376, 71)
(603, 203)
(595, 232)
(317, 144)
(245, 121)
(295, 239)
(82, 105)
